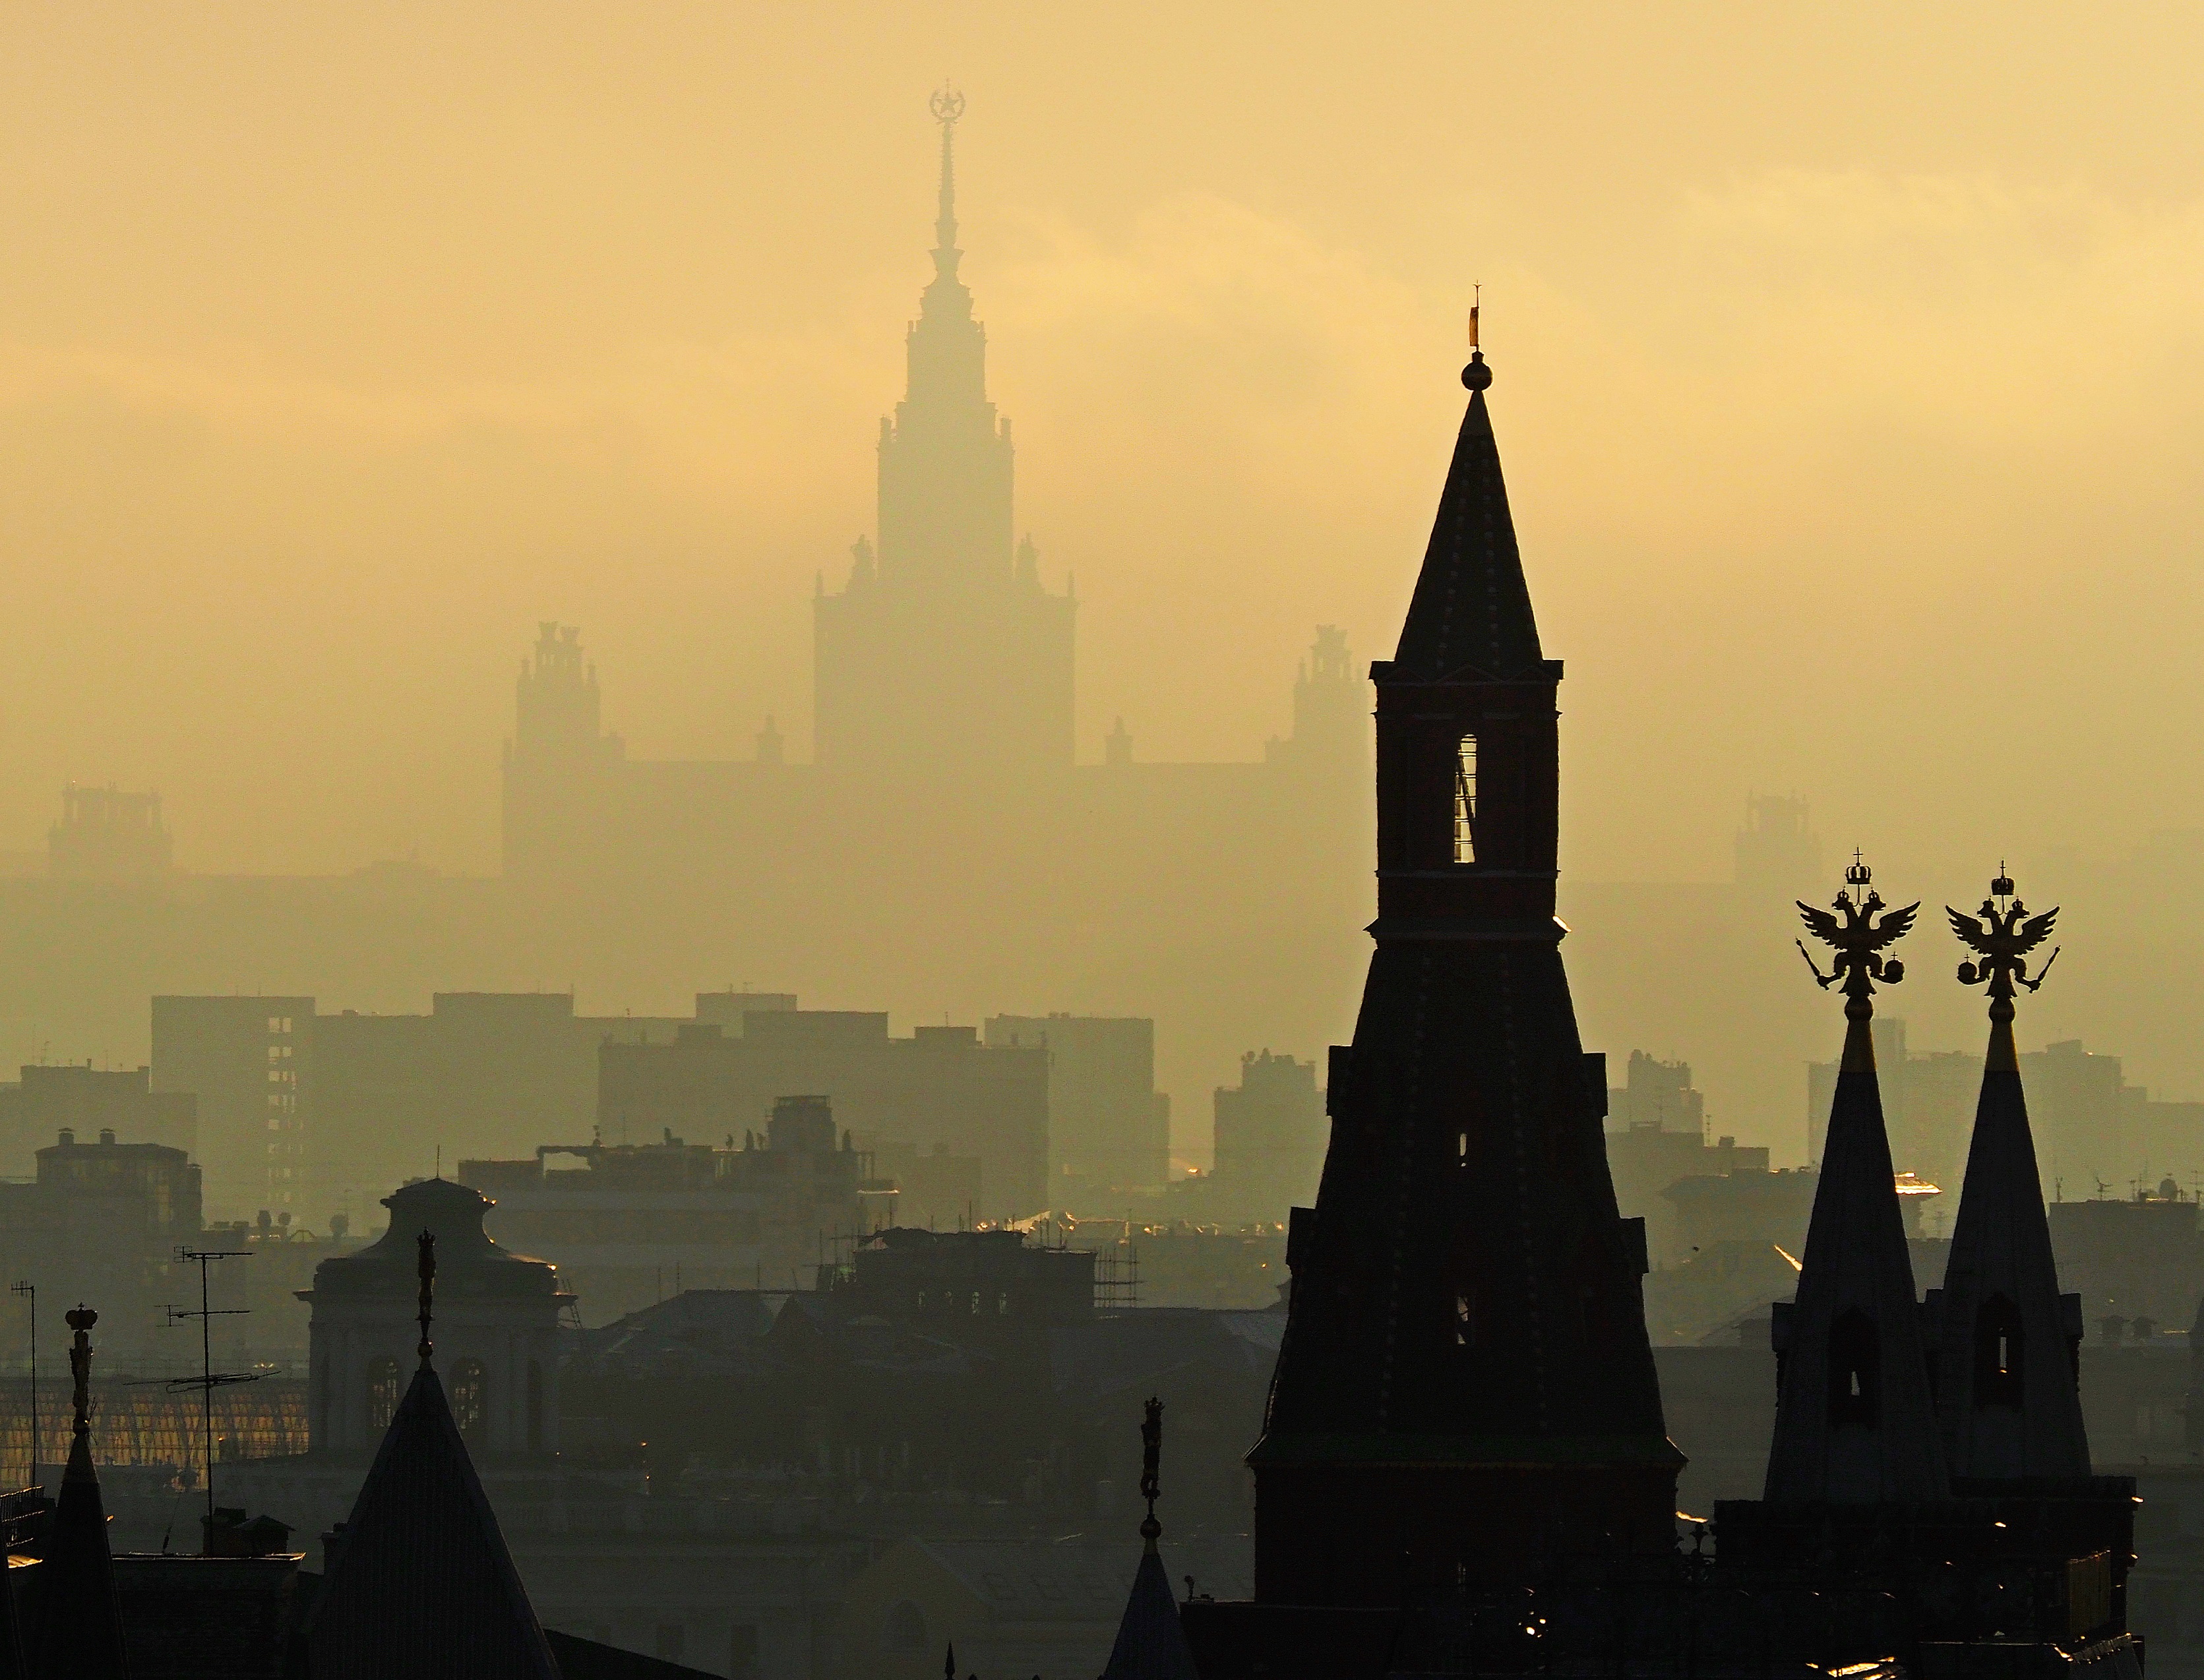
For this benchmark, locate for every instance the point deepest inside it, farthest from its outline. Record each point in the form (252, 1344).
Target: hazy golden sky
(1849, 385)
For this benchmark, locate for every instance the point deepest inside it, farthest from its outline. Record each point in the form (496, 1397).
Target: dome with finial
(469, 1260)
(1477, 377)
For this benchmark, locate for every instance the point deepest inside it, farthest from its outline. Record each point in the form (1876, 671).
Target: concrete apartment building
(47, 1100)
(310, 1113)
(1109, 1127)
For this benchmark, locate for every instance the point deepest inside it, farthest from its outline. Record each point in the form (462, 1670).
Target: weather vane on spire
(947, 105)
(2003, 933)
(1859, 940)
(1476, 376)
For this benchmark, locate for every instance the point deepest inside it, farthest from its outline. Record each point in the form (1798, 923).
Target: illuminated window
(470, 1402)
(1999, 1338)
(382, 1392)
(1465, 801)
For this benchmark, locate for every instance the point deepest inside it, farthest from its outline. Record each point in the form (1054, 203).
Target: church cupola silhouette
(1465, 1390)
(945, 649)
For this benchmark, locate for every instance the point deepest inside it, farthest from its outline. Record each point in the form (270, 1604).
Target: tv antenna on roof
(209, 1378)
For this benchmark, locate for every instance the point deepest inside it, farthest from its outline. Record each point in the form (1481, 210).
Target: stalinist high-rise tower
(944, 650)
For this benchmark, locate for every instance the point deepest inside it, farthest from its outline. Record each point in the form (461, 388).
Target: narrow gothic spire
(2007, 1365)
(80, 1632)
(1472, 610)
(1855, 1417)
(1465, 1388)
(1150, 1645)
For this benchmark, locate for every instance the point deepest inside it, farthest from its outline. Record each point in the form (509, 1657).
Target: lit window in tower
(1465, 801)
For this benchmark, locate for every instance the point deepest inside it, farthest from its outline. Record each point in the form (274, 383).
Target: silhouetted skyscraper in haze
(943, 648)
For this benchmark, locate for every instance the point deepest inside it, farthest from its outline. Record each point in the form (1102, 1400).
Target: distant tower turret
(107, 835)
(1776, 851)
(557, 747)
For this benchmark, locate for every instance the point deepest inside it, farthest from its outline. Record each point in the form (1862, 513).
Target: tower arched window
(1998, 1342)
(382, 1392)
(1855, 1369)
(470, 1402)
(1465, 800)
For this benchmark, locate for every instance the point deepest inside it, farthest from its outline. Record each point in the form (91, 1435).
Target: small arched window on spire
(1855, 1369)
(1998, 1347)
(1465, 800)
(382, 1394)
(470, 1402)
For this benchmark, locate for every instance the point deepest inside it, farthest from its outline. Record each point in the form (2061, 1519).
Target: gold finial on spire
(1476, 376)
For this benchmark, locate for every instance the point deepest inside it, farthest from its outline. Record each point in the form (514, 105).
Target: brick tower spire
(2008, 1368)
(1855, 1419)
(1465, 1383)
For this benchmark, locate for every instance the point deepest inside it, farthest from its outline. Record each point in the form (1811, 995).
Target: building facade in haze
(1109, 1127)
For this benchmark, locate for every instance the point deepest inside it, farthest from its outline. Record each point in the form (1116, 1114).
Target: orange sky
(1849, 375)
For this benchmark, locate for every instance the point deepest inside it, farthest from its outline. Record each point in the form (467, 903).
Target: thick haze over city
(1847, 369)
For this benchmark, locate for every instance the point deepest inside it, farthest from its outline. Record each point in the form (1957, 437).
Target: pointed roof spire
(1855, 1417)
(2008, 1370)
(1150, 1644)
(80, 1632)
(947, 105)
(1472, 608)
(424, 1583)
(426, 1268)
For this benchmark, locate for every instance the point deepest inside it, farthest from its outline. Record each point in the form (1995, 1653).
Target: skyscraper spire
(1855, 1417)
(947, 105)
(2007, 1364)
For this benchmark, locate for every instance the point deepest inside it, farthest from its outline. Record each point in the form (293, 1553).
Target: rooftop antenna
(209, 1378)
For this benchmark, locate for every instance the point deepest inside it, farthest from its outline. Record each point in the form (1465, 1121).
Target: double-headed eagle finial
(1859, 940)
(2002, 933)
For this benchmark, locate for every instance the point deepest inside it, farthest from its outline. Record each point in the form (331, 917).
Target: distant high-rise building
(944, 649)
(1270, 1137)
(1109, 1127)
(1775, 849)
(107, 835)
(47, 1099)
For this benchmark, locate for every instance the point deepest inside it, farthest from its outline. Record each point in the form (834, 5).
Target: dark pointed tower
(422, 1583)
(2008, 1370)
(1151, 1644)
(1855, 1418)
(1465, 1383)
(80, 1627)
(944, 649)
